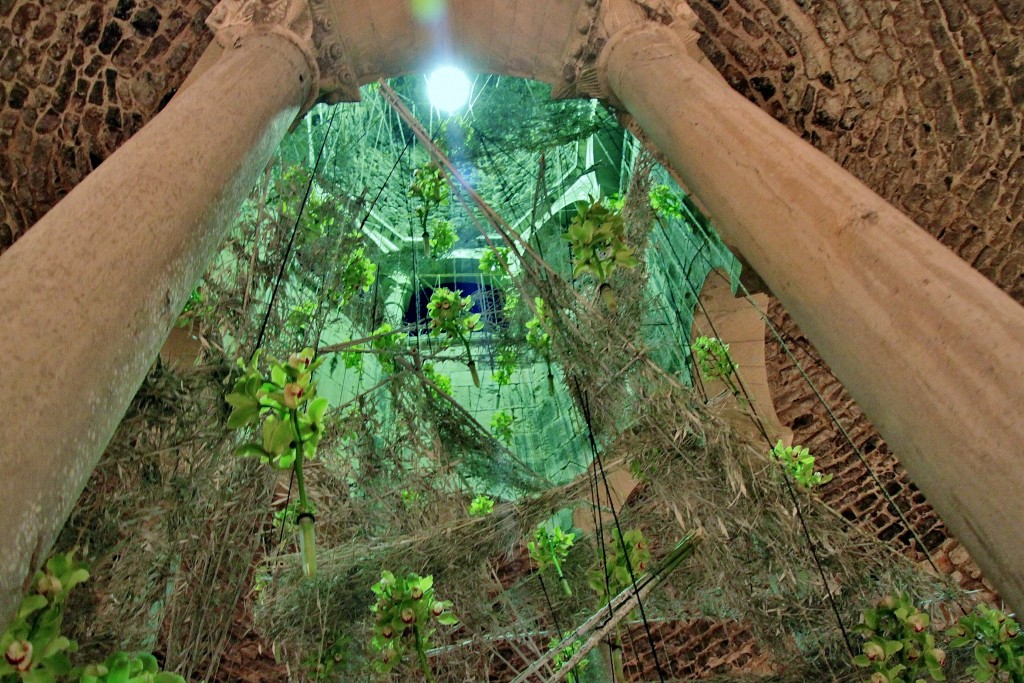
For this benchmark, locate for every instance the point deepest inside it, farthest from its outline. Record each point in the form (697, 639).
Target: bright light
(448, 88)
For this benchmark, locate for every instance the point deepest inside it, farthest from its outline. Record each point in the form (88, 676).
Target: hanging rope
(291, 240)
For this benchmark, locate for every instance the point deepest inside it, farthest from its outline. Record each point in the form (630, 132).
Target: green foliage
(506, 362)
(510, 304)
(628, 551)
(196, 307)
(665, 202)
(501, 426)
(564, 655)
(997, 642)
(332, 661)
(550, 549)
(431, 189)
(496, 262)
(353, 358)
(442, 238)
(357, 275)
(292, 426)
(713, 358)
(799, 463)
(614, 202)
(122, 667)
(386, 343)
(898, 647)
(292, 412)
(300, 317)
(429, 186)
(597, 236)
(536, 330)
(410, 499)
(443, 382)
(450, 315)
(406, 610)
(481, 506)
(319, 214)
(36, 651)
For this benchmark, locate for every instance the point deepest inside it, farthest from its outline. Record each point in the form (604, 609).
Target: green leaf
(277, 435)
(241, 417)
(250, 450)
(30, 604)
(316, 411)
(39, 675)
(166, 677)
(58, 644)
(448, 619)
(74, 578)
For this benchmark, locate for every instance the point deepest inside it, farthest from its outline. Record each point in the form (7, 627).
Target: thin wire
(585, 402)
(291, 240)
(789, 486)
(856, 449)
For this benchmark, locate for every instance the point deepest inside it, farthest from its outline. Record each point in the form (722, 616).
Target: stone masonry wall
(78, 78)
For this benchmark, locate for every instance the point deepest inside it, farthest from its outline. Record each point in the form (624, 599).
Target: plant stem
(470, 363)
(424, 664)
(558, 565)
(300, 482)
(307, 535)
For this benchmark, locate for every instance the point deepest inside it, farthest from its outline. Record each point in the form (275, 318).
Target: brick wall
(78, 78)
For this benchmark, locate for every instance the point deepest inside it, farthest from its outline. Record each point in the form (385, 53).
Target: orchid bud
(19, 655)
(918, 621)
(292, 393)
(874, 652)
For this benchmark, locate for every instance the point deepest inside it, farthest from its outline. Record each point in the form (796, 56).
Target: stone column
(90, 292)
(931, 350)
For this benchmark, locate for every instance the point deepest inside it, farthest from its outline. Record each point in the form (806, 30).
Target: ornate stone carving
(606, 19)
(309, 24)
(337, 84)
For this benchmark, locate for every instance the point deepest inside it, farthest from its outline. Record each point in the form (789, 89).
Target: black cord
(291, 240)
(585, 404)
(789, 487)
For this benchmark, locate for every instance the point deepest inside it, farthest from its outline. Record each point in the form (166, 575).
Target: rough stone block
(111, 37)
(146, 22)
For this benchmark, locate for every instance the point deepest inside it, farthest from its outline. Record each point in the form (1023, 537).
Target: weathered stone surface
(60, 90)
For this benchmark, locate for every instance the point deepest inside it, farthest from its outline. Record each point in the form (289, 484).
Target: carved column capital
(309, 24)
(603, 23)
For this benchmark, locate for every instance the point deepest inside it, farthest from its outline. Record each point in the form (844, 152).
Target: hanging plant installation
(292, 427)
(597, 237)
(410, 472)
(450, 316)
(431, 189)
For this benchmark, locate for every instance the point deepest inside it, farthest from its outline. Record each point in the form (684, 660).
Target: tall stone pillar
(931, 350)
(90, 292)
